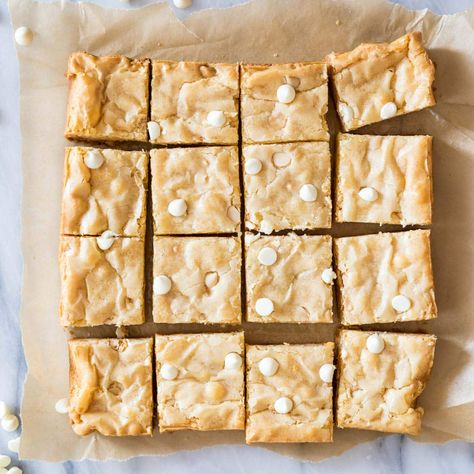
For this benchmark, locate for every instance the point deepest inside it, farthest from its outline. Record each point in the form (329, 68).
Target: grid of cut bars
(232, 165)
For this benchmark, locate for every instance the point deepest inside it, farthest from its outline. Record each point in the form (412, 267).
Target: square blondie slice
(378, 81)
(111, 386)
(287, 186)
(284, 102)
(380, 376)
(200, 381)
(289, 393)
(385, 278)
(384, 179)
(102, 281)
(197, 280)
(108, 98)
(104, 190)
(194, 103)
(195, 190)
(289, 278)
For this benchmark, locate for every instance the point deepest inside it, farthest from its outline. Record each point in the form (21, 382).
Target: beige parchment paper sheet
(260, 31)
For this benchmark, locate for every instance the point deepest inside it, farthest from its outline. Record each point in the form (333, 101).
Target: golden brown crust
(111, 389)
(379, 391)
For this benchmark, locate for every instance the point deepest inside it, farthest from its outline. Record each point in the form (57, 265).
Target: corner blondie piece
(294, 273)
(383, 179)
(380, 376)
(195, 190)
(104, 190)
(200, 381)
(375, 82)
(385, 278)
(284, 102)
(197, 280)
(194, 102)
(108, 98)
(111, 387)
(102, 281)
(289, 393)
(287, 186)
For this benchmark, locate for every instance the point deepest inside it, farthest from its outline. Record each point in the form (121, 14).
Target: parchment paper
(261, 31)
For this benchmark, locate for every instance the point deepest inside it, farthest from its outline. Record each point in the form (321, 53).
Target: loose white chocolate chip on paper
(23, 36)
(232, 361)
(4, 409)
(368, 194)
(216, 118)
(286, 94)
(268, 366)
(233, 214)
(388, 110)
(375, 344)
(10, 423)
(62, 406)
(161, 285)
(267, 256)
(326, 372)
(401, 303)
(264, 306)
(308, 193)
(283, 405)
(281, 159)
(253, 166)
(105, 240)
(346, 113)
(328, 276)
(14, 470)
(177, 207)
(94, 159)
(168, 372)
(5, 460)
(14, 444)
(154, 130)
(182, 3)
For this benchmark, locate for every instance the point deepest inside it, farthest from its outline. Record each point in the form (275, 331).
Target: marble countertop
(392, 454)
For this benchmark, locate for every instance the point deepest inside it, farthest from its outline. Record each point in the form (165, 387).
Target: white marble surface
(394, 454)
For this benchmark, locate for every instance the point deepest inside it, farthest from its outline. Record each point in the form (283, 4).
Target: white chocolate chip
(264, 306)
(94, 159)
(266, 227)
(14, 470)
(346, 113)
(281, 159)
(62, 406)
(10, 423)
(375, 344)
(328, 275)
(23, 36)
(326, 372)
(5, 460)
(4, 409)
(233, 214)
(14, 444)
(161, 285)
(267, 256)
(253, 166)
(232, 361)
(283, 405)
(168, 372)
(177, 207)
(154, 130)
(211, 279)
(308, 193)
(182, 3)
(368, 194)
(401, 303)
(388, 110)
(268, 366)
(106, 239)
(286, 94)
(216, 118)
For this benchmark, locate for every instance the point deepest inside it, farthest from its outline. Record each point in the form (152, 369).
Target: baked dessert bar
(104, 190)
(383, 179)
(102, 281)
(380, 376)
(385, 277)
(197, 280)
(287, 186)
(289, 278)
(375, 82)
(108, 98)
(195, 190)
(194, 102)
(284, 102)
(200, 381)
(111, 388)
(289, 393)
